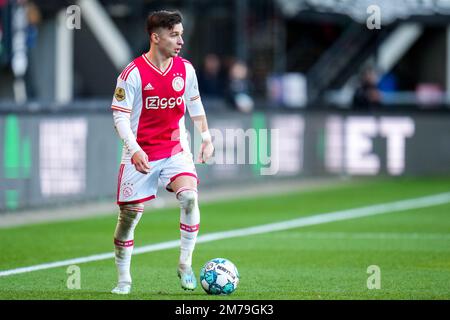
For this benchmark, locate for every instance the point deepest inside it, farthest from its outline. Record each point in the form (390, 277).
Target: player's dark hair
(163, 19)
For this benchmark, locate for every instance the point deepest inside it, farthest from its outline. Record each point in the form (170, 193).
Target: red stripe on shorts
(122, 166)
(184, 174)
(136, 201)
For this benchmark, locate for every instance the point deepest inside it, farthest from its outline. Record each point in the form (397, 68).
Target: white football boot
(122, 288)
(187, 279)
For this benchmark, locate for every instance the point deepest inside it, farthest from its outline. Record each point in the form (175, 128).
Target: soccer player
(149, 103)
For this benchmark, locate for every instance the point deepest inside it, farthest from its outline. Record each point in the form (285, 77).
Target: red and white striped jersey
(157, 102)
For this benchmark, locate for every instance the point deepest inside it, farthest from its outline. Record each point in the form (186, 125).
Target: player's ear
(154, 37)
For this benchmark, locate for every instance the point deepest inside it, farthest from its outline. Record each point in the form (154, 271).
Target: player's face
(171, 41)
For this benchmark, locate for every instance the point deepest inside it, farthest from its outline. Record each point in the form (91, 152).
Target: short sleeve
(127, 89)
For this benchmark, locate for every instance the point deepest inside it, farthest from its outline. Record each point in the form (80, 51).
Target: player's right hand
(140, 161)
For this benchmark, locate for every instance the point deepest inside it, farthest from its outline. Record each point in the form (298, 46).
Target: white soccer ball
(219, 276)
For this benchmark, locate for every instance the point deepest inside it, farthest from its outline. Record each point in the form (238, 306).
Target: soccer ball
(219, 276)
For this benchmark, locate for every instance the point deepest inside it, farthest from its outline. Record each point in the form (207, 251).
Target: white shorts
(135, 187)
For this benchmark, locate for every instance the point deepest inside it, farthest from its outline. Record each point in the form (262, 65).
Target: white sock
(124, 239)
(189, 225)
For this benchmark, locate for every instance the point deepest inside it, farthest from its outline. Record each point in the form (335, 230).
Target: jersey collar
(156, 68)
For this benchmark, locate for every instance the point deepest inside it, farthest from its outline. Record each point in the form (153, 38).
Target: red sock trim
(135, 209)
(125, 244)
(188, 228)
(184, 189)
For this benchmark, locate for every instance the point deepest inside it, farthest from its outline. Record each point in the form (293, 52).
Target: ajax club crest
(178, 84)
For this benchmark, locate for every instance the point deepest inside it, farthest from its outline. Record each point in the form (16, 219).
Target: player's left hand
(206, 151)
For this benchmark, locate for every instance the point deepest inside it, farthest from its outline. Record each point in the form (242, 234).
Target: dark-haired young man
(149, 103)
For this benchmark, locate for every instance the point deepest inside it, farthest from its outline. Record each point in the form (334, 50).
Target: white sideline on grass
(416, 203)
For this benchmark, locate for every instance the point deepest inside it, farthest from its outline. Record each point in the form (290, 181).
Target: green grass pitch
(324, 261)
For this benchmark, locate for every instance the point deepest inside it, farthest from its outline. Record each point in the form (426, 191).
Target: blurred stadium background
(353, 95)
